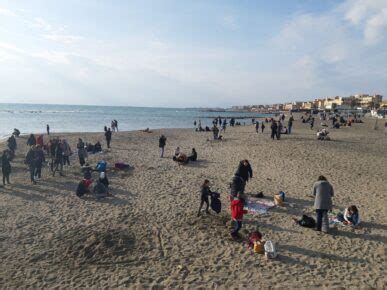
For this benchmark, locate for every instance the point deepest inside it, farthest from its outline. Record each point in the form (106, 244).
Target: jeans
(6, 177)
(58, 165)
(273, 134)
(108, 143)
(66, 159)
(322, 219)
(38, 171)
(238, 226)
(290, 129)
(32, 173)
(161, 152)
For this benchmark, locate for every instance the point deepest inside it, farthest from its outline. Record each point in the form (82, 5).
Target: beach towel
(121, 165)
(260, 206)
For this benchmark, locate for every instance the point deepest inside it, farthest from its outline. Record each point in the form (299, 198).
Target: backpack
(307, 222)
(101, 166)
(270, 250)
(216, 204)
(81, 189)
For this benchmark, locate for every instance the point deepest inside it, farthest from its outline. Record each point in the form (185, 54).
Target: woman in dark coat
(6, 166)
(244, 170)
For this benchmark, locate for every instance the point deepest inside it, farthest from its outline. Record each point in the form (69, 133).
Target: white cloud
(368, 15)
(63, 38)
(7, 12)
(229, 22)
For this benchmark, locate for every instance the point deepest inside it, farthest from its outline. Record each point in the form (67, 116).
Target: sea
(33, 118)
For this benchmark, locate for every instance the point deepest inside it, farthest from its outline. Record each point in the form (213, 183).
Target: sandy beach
(148, 234)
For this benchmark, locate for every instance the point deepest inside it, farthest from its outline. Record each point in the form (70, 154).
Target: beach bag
(101, 166)
(121, 165)
(278, 200)
(259, 247)
(307, 222)
(216, 204)
(254, 237)
(81, 189)
(270, 250)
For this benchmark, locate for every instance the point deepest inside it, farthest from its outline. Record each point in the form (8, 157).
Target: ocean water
(32, 118)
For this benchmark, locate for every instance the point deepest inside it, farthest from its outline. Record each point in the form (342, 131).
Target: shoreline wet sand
(148, 234)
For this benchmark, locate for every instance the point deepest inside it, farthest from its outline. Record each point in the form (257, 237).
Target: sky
(175, 53)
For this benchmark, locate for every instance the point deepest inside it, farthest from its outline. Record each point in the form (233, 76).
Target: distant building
(292, 106)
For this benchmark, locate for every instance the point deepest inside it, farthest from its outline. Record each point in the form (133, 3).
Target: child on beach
(350, 216)
(205, 193)
(237, 212)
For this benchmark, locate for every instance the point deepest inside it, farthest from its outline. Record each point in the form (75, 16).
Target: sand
(148, 234)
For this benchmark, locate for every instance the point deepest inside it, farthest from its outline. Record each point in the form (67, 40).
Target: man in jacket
(244, 170)
(323, 192)
(39, 158)
(162, 142)
(108, 136)
(274, 128)
(58, 163)
(31, 162)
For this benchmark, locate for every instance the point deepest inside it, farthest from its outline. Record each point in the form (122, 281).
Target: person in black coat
(162, 143)
(244, 170)
(11, 142)
(31, 140)
(274, 128)
(193, 156)
(40, 159)
(58, 161)
(6, 165)
(31, 162)
(205, 192)
(237, 185)
(108, 136)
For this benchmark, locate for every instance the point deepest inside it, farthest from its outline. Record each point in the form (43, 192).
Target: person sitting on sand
(103, 178)
(237, 212)
(182, 159)
(205, 193)
(193, 156)
(87, 170)
(147, 130)
(100, 190)
(177, 152)
(351, 216)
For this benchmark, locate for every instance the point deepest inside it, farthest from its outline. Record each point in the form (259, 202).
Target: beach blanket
(332, 216)
(259, 206)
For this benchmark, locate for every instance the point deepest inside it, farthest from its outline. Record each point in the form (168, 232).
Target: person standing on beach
(244, 170)
(215, 132)
(11, 143)
(279, 129)
(82, 152)
(66, 152)
(108, 136)
(237, 212)
(6, 165)
(116, 125)
(290, 125)
(58, 163)
(48, 129)
(311, 123)
(162, 143)
(31, 162)
(257, 126)
(40, 159)
(274, 128)
(323, 193)
(205, 193)
(262, 127)
(31, 141)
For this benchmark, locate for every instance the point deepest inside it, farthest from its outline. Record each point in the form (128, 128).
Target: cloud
(370, 16)
(63, 38)
(229, 22)
(7, 12)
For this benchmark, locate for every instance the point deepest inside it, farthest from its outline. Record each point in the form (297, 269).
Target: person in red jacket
(237, 212)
